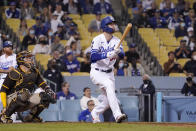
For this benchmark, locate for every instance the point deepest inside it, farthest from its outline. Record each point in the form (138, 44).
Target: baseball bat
(127, 29)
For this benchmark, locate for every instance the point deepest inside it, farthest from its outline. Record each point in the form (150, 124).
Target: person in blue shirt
(103, 7)
(72, 64)
(157, 21)
(65, 94)
(12, 12)
(85, 115)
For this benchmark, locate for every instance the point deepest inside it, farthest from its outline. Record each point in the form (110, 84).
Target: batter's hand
(111, 54)
(117, 51)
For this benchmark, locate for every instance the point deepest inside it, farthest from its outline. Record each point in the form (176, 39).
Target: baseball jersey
(99, 48)
(5, 63)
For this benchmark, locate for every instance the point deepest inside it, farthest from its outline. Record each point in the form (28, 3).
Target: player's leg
(101, 107)
(38, 102)
(15, 102)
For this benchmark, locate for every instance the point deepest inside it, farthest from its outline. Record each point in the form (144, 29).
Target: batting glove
(117, 51)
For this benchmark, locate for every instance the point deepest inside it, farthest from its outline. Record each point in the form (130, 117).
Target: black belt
(106, 71)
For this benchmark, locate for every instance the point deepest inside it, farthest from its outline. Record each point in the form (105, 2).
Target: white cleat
(96, 121)
(121, 118)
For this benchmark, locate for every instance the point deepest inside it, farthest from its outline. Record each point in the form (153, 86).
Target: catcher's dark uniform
(19, 87)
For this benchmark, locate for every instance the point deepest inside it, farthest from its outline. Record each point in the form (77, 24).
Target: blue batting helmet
(104, 24)
(7, 44)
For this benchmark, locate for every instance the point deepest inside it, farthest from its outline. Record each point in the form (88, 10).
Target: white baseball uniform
(102, 75)
(5, 63)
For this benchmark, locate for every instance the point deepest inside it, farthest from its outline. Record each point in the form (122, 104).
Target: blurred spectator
(180, 5)
(103, 6)
(4, 37)
(26, 11)
(39, 27)
(157, 21)
(121, 68)
(189, 88)
(85, 115)
(147, 88)
(53, 74)
(60, 32)
(86, 97)
(58, 11)
(171, 66)
(180, 30)
(174, 21)
(190, 66)
(57, 46)
(66, 94)
(50, 37)
(137, 11)
(39, 5)
(72, 64)
(76, 38)
(54, 3)
(45, 15)
(55, 22)
(142, 21)
(131, 3)
(135, 69)
(190, 39)
(65, 17)
(147, 4)
(72, 8)
(73, 48)
(182, 51)
(23, 29)
(186, 10)
(71, 31)
(151, 12)
(164, 2)
(29, 39)
(87, 6)
(12, 11)
(167, 11)
(42, 47)
(190, 19)
(94, 26)
(132, 54)
(85, 65)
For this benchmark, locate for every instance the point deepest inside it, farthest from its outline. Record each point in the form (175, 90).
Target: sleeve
(95, 53)
(82, 104)
(8, 13)
(82, 116)
(40, 81)
(122, 53)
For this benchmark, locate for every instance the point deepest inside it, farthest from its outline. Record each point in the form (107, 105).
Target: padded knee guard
(23, 97)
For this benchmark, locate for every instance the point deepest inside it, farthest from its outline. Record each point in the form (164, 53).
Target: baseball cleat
(5, 119)
(121, 118)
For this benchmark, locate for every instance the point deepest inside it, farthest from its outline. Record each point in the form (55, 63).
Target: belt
(106, 71)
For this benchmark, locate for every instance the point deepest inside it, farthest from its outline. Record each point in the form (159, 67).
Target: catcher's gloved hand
(52, 95)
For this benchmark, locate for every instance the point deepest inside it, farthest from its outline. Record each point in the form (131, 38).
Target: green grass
(63, 126)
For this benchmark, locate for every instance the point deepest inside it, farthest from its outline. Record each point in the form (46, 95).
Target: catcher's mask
(25, 58)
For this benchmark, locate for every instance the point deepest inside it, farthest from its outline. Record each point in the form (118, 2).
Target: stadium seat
(54, 107)
(74, 16)
(65, 74)
(30, 23)
(130, 107)
(70, 110)
(80, 59)
(80, 74)
(43, 59)
(183, 61)
(177, 75)
(63, 42)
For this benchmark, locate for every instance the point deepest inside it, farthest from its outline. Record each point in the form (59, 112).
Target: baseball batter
(103, 57)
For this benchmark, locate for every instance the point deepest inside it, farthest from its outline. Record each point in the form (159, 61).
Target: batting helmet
(20, 58)
(104, 24)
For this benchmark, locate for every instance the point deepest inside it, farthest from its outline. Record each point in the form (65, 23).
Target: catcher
(17, 91)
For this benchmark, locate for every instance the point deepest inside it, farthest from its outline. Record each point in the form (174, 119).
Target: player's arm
(95, 52)
(9, 83)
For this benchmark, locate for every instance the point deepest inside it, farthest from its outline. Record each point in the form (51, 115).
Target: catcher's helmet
(104, 24)
(20, 58)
